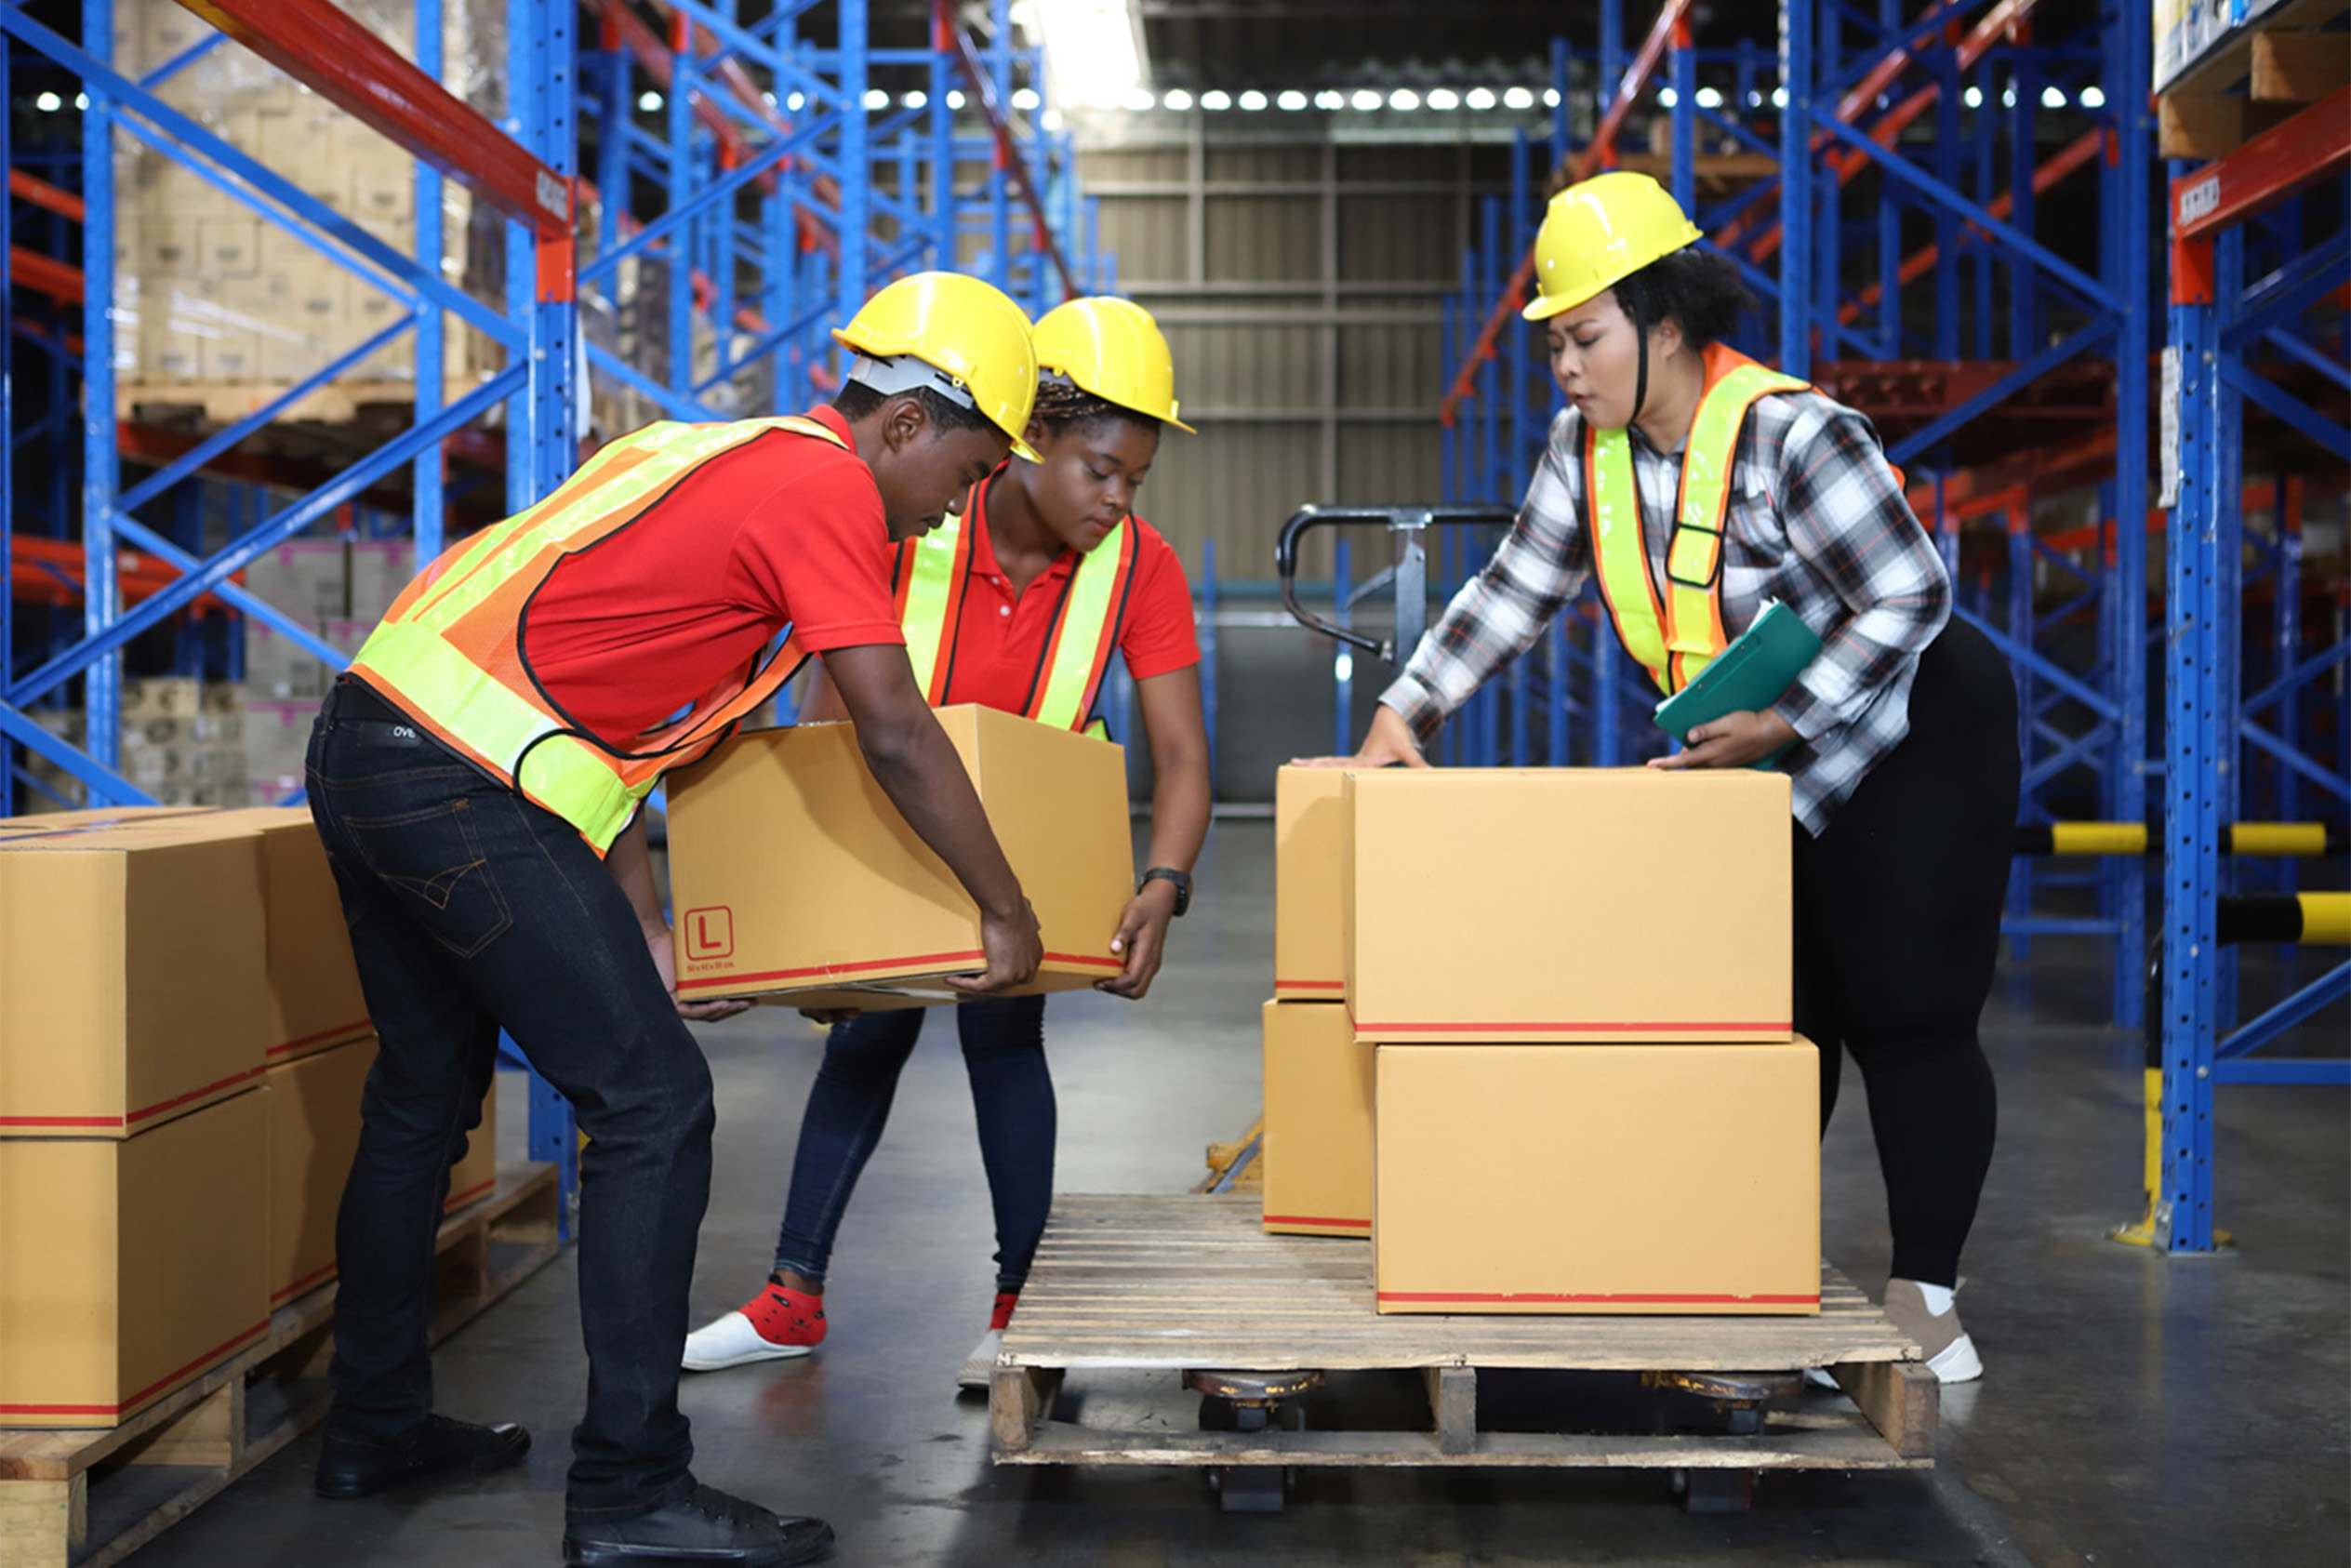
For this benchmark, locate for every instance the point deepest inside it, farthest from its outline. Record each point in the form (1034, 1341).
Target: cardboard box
(230, 247)
(129, 1268)
(313, 1106)
(1318, 1133)
(131, 975)
(1566, 904)
(475, 1175)
(790, 872)
(314, 1000)
(86, 817)
(1307, 962)
(1598, 1179)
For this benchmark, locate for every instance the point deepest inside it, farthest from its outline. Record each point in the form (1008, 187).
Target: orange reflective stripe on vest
(1680, 637)
(450, 651)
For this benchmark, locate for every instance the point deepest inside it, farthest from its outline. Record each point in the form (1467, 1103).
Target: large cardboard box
(1318, 1130)
(128, 1268)
(132, 981)
(88, 816)
(1564, 904)
(314, 1000)
(1599, 1178)
(1307, 962)
(792, 873)
(314, 1105)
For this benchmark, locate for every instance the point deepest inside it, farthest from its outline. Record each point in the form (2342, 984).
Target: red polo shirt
(1000, 635)
(784, 529)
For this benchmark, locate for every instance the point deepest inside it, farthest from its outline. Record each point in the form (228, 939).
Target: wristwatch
(1183, 881)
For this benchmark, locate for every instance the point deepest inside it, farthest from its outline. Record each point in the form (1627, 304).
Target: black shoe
(710, 1526)
(441, 1449)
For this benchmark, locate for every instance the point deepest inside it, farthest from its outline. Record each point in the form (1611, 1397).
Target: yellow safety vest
(1675, 641)
(450, 651)
(932, 574)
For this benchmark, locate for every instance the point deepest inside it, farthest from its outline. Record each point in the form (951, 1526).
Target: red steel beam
(40, 193)
(1671, 26)
(315, 43)
(37, 563)
(2264, 171)
(1923, 260)
(947, 34)
(46, 274)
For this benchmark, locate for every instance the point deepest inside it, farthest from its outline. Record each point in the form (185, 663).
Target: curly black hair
(1702, 291)
(1062, 402)
(855, 400)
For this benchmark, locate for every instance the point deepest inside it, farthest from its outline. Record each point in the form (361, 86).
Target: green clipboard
(1750, 675)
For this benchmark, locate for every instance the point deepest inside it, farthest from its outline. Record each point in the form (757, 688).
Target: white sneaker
(774, 1325)
(1950, 1351)
(979, 1367)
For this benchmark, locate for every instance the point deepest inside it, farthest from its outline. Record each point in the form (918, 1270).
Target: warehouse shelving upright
(2222, 327)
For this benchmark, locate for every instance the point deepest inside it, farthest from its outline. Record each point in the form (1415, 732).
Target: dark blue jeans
(1012, 1095)
(471, 909)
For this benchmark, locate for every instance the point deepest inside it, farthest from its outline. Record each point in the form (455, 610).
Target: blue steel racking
(2221, 327)
(828, 232)
(1957, 339)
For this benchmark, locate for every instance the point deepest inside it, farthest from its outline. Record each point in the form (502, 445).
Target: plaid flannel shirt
(1816, 520)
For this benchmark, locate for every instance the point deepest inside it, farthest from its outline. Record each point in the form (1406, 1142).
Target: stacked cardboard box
(207, 293)
(1554, 1069)
(1588, 1097)
(133, 1147)
(1317, 1152)
(796, 881)
(182, 742)
(179, 1018)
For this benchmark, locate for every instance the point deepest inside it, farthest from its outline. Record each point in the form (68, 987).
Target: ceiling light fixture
(1025, 98)
(1443, 98)
(1480, 98)
(648, 101)
(1178, 99)
(1330, 98)
(1216, 99)
(1252, 100)
(1365, 98)
(1290, 100)
(1403, 99)
(1709, 97)
(1518, 98)
(1093, 47)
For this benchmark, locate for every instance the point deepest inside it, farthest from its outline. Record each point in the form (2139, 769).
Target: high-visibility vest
(933, 572)
(1682, 636)
(450, 651)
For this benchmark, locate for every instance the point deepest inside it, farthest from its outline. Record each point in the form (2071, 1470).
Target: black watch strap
(1183, 881)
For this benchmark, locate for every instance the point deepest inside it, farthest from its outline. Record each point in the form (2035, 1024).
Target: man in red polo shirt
(476, 777)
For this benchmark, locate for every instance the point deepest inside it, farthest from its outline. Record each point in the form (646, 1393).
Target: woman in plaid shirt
(1903, 729)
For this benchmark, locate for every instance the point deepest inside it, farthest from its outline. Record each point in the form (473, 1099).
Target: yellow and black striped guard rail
(2269, 840)
(2308, 918)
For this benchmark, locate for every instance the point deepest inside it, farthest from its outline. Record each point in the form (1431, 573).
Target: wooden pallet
(1168, 1284)
(87, 1498)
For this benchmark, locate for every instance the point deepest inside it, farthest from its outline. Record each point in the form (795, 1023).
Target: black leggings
(1897, 929)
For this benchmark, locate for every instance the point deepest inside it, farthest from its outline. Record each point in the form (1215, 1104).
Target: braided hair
(1061, 403)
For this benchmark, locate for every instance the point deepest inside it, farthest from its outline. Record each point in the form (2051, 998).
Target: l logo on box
(709, 932)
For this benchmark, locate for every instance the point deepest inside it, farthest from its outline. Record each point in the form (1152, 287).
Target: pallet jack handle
(1405, 525)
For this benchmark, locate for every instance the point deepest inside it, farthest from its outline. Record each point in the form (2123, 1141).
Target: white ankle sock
(1938, 1297)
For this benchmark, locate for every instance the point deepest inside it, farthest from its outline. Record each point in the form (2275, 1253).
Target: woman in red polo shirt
(1043, 548)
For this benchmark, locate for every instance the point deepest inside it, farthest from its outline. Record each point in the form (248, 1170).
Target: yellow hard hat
(967, 330)
(1598, 234)
(1114, 350)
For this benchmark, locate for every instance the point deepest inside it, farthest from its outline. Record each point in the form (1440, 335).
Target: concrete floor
(2136, 1411)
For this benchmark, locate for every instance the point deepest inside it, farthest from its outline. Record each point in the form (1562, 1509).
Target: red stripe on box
(354, 1029)
(61, 1121)
(1579, 1026)
(1316, 1219)
(458, 1200)
(178, 1100)
(1309, 985)
(216, 1353)
(825, 972)
(1666, 1300)
(299, 1286)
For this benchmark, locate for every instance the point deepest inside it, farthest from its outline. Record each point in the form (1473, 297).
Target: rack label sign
(2200, 200)
(2167, 402)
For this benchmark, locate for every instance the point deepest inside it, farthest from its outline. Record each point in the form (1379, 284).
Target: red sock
(1005, 1302)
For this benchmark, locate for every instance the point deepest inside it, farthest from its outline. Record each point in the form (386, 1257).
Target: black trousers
(470, 908)
(1897, 930)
